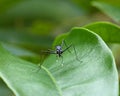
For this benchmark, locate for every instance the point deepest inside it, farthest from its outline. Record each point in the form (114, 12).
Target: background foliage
(27, 26)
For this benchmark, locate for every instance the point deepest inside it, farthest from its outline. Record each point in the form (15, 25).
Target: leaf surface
(109, 32)
(110, 10)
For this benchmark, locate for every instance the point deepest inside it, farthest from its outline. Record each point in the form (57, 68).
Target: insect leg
(62, 60)
(59, 59)
(49, 51)
(41, 62)
(67, 48)
(75, 53)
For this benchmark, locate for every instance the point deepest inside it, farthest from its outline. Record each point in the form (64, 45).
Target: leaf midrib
(53, 79)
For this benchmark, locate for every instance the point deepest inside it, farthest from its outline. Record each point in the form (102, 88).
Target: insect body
(59, 50)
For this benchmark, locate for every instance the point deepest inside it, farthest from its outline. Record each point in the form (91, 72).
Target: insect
(59, 51)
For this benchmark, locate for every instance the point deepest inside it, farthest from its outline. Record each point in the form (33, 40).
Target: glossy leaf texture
(92, 74)
(109, 32)
(110, 10)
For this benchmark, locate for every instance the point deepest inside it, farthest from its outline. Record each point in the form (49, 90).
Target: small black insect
(59, 51)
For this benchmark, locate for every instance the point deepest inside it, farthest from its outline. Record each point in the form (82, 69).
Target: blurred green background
(29, 26)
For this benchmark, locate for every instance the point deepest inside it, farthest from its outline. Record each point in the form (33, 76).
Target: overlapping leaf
(94, 72)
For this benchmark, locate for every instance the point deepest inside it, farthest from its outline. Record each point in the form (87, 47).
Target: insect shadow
(59, 51)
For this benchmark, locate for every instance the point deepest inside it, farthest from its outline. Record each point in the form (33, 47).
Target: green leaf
(4, 90)
(25, 38)
(22, 53)
(5, 4)
(94, 75)
(109, 32)
(18, 51)
(36, 9)
(110, 10)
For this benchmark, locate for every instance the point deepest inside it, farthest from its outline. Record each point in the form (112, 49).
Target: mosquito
(59, 51)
